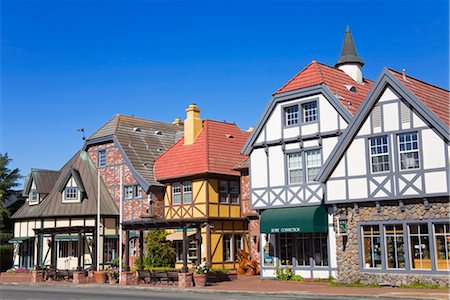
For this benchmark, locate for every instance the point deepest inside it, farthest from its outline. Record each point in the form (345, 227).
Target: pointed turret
(349, 61)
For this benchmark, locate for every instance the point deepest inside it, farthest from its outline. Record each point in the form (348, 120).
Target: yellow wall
(197, 209)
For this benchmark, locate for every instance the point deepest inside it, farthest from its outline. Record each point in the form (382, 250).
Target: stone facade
(348, 263)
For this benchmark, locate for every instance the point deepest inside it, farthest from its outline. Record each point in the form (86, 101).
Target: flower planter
(200, 280)
(16, 277)
(100, 277)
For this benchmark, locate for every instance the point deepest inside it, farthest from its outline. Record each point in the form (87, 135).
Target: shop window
(379, 154)
(67, 249)
(420, 246)
(178, 250)
(303, 249)
(371, 246)
(320, 255)
(268, 250)
(286, 245)
(110, 249)
(408, 146)
(442, 238)
(395, 247)
(227, 255)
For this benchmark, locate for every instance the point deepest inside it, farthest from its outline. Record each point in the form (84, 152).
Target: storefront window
(372, 246)
(442, 236)
(286, 243)
(110, 249)
(303, 249)
(395, 246)
(268, 250)
(320, 249)
(420, 246)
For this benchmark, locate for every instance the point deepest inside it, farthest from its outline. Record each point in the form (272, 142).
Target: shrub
(220, 270)
(284, 273)
(297, 278)
(159, 251)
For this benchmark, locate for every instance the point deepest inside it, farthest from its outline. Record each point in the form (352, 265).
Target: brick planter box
(15, 277)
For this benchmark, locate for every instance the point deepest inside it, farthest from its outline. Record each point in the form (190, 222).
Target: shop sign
(285, 230)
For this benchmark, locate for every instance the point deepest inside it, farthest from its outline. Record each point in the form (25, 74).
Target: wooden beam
(185, 250)
(141, 249)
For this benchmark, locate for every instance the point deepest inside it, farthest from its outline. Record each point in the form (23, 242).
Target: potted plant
(100, 277)
(201, 275)
(113, 275)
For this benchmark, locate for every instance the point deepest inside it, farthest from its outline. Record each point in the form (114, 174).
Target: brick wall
(245, 195)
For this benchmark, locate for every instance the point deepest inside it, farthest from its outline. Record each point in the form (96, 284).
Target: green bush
(220, 270)
(159, 251)
(297, 278)
(284, 273)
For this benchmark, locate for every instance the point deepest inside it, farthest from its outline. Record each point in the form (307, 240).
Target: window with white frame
(187, 192)
(102, 158)
(408, 148)
(128, 191)
(395, 246)
(304, 166)
(71, 193)
(295, 167)
(34, 197)
(291, 115)
(442, 240)
(309, 112)
(371, 246)
(176, 193)
(379, 154)
(313, 164)
(227, 255)
(419, 241)
(238, 245)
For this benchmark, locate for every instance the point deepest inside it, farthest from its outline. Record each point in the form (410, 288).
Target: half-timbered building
(292, 140)
(388, 183)
(57, 225)
(202, 193)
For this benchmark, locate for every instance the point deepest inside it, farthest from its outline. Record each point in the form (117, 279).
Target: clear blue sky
(75, 64)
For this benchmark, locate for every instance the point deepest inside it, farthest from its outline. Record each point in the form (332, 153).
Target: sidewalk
(256, 286)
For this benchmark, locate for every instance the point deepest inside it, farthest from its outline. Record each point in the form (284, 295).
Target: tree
(159, 251)
(8, 178)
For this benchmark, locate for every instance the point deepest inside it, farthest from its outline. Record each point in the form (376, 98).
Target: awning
(294, 219)
(178, 236)
(18, 240)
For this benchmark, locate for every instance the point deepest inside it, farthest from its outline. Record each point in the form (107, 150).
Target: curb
(299, 295)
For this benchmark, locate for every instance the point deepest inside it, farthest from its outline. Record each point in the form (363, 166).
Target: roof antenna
(82, 132)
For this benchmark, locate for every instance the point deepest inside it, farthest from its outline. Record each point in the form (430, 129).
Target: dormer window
(71, 193)
(34, 197)
(291, 115)
(309, 112)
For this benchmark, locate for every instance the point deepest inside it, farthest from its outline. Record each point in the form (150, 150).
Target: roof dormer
(72, 188)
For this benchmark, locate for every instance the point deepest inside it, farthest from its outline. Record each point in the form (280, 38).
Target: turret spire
(348, 53)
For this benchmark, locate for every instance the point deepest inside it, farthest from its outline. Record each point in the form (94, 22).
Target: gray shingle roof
(52, 206)
(348, 52)
(43, 179)
(141, 142)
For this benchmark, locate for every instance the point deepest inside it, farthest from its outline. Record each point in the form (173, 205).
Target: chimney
(178, 122)
(349, 61)
(404, 74)
(192, 124)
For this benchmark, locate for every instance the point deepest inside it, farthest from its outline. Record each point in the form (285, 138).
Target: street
(82, 293)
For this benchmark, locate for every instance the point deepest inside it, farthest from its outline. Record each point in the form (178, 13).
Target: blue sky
(75, 64)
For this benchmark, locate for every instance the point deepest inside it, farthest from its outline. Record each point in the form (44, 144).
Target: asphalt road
(69, 293)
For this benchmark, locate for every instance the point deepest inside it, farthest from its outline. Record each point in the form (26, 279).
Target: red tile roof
(216, 150)
(336, 80)
(437, 99)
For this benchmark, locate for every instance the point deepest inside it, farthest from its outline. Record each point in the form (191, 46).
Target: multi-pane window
(132, 192)
(419, 240)
(320, 254)
(102, 158)
(234, 191)
(313, 164)
(395, 246)
(223, 191)
(303, 249)
(68, 248)
(379, 154)
(128, 191)
(301, 168)
(238, 245)
(182, 192)
(187, 192)
(309, 112)
(286, 243)
(228, 191)
(291, 115)
(408, 146)
(295, 166)
(71, 193)
(371, 246)
(442, 238)
(176, 193)
(34, 197)
(110, 249)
